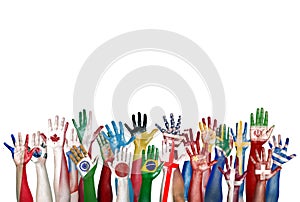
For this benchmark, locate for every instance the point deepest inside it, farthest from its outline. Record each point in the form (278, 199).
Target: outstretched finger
(150, 136)
(20, 141)
(105, 136)
(139, 119)
(128, 128)
(204, 124)
(62, 123)
(233, 135)
(65, 132)
(273, 172)
(166, 122)
(75, 124)
(245, 130)
(252, 159)
(84, 122)
(178, 123)
(30, 153)
(133, 120)
(188, 152)
(212, 162)
(11, 149)
(221, 170)
(44, 138)
(145, 121)
(257, 156)
(287, 140)
(215, 125)
(97, 132)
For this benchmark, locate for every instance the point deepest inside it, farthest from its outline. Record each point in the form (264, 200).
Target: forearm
(195, 191)
(145, 193)
(73, 175)
(136, 177)
(104, 186)
(214, 185)
(250, 177)
(89, 186)
(187, 175)
(206, 173)
(242, 170)
(43, 190)
(260, 191)
(61, 176)
(123, 190)
(230, 194)
(178, 186)
(166, 193)
(23, 191)
(236, 194)
(272, 190)
(19, 173)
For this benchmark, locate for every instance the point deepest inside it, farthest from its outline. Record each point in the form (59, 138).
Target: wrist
(90, 174)
(57, 150)
(39, 165)
(146, 181)
(197, 173)
(257, 144)
(20, 166)
(138, 149)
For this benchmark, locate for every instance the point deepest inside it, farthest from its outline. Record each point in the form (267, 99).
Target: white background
(254, 46)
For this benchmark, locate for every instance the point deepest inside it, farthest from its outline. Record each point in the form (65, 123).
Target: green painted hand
(150, 166)
(224, 142)
(259, 131)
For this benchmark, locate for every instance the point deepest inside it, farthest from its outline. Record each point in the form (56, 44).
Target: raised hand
(241, 142)
(72, 139)
(80, 128)
(233, 179)
(121, 168)
(39, 141)
(21, 155)
(259, 131)
(82, 160)
(86, 169)
(57, 133)
(138, 128)
(150, 166)
(208, 133)
(20, 152)
(224, 142)
(150, 170)
(279, 155)
(198, 158)
(139, 131)
(84, 131)
(231, 175)
(199, 166)
(56, 140)
(263, 170)
(168, 154)
(188, 137)
(173, 130)
(106, 152)
(122, 163)
(116, 139)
